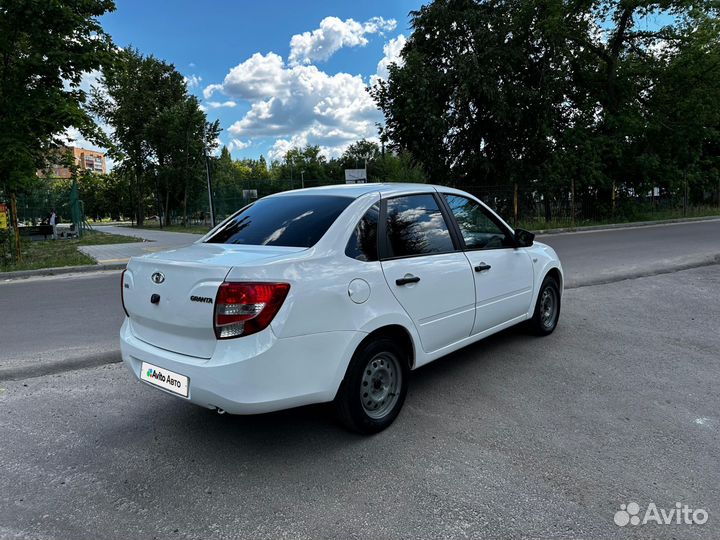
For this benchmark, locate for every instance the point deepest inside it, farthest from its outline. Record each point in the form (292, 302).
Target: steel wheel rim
(548, 304)
(380, 385)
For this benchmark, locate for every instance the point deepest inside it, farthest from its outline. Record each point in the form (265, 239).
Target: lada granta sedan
(332, 294)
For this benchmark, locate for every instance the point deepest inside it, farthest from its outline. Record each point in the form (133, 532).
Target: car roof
(357, 190)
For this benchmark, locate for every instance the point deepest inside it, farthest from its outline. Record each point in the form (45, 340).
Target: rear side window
(363, 244)
(415, 226)
(288, 220)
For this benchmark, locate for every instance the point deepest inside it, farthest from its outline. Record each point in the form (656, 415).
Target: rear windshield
(289, 220)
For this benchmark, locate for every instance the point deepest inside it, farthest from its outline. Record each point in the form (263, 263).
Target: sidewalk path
(154, 240)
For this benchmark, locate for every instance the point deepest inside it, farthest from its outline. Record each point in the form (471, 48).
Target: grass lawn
(62, 252)
(657, 215)
(194, 229)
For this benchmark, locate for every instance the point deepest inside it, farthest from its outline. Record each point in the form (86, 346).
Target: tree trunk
(158, 200)
(140, 199)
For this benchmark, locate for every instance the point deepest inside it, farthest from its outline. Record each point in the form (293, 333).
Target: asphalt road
(54, 321)
(50, 322)
(513, 437)
(604, 256)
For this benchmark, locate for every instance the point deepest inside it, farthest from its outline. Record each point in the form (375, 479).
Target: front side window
(363, 244)
(287, 220)
(415, 226)
(478, 229)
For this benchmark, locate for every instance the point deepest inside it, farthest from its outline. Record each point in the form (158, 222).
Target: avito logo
(679, 515)
(157, 374)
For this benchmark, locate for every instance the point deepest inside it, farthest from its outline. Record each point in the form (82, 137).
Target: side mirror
(524, 238)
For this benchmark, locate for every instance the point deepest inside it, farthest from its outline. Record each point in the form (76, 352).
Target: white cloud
(300, 104)
(333, 34)
(219, 104)
(89, 79)
(295, 103)
(210, 90)
(193, 81)
(73, 137)
(392, 50)
(282, 146)
(237, 144)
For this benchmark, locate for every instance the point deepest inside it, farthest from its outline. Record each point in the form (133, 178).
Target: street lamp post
(302, 178)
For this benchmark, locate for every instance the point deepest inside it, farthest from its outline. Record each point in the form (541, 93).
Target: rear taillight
(242, 309)
(122, 292)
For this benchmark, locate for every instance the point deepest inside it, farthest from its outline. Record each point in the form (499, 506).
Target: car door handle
(406, 280)
(482, 266)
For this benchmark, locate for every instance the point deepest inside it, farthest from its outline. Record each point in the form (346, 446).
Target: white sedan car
(332, 294)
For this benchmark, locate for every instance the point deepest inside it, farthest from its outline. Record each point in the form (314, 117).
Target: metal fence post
(572, 202)
(16, 229)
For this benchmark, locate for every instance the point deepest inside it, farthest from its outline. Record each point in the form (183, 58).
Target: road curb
(60, 270)
(631, 225)
(59, 366)
(636, 274)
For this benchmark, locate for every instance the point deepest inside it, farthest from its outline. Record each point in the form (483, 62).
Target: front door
(503, 273)
(430, 278)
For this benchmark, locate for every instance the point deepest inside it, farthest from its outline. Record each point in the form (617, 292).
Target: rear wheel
(547, 308)
(374, 388)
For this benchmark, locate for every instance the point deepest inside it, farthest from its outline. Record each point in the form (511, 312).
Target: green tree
(300, 165)
(160, 135)
(180, 137)
(680, 146)
(480, 96)
(582, 100)
(391, 167)
(45, 47)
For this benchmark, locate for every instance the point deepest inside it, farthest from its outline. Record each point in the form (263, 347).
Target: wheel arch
(399, 334)
(555, 273)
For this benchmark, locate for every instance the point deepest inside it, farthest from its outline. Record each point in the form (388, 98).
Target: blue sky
(267, 94)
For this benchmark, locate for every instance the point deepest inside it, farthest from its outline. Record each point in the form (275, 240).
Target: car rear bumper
(255, 374)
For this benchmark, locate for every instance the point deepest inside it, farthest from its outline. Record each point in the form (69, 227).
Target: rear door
(425, 270)
(503, 273)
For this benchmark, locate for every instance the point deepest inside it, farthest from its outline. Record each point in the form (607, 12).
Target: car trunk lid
(170, 296)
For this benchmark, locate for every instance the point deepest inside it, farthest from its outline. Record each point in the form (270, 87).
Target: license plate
(164, 378)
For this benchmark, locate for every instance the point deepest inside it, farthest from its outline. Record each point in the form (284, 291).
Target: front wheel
(374, 388)
(547, 308)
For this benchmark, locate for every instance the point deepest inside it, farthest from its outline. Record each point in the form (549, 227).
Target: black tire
(542, 322)
(378, 368)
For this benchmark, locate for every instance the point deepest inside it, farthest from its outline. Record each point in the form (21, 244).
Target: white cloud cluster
(220, 104)
(211, 89)
(392, 50)
(193, 81)
(333, 34)
(237, 144)
(295, 103)
(299, 104)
